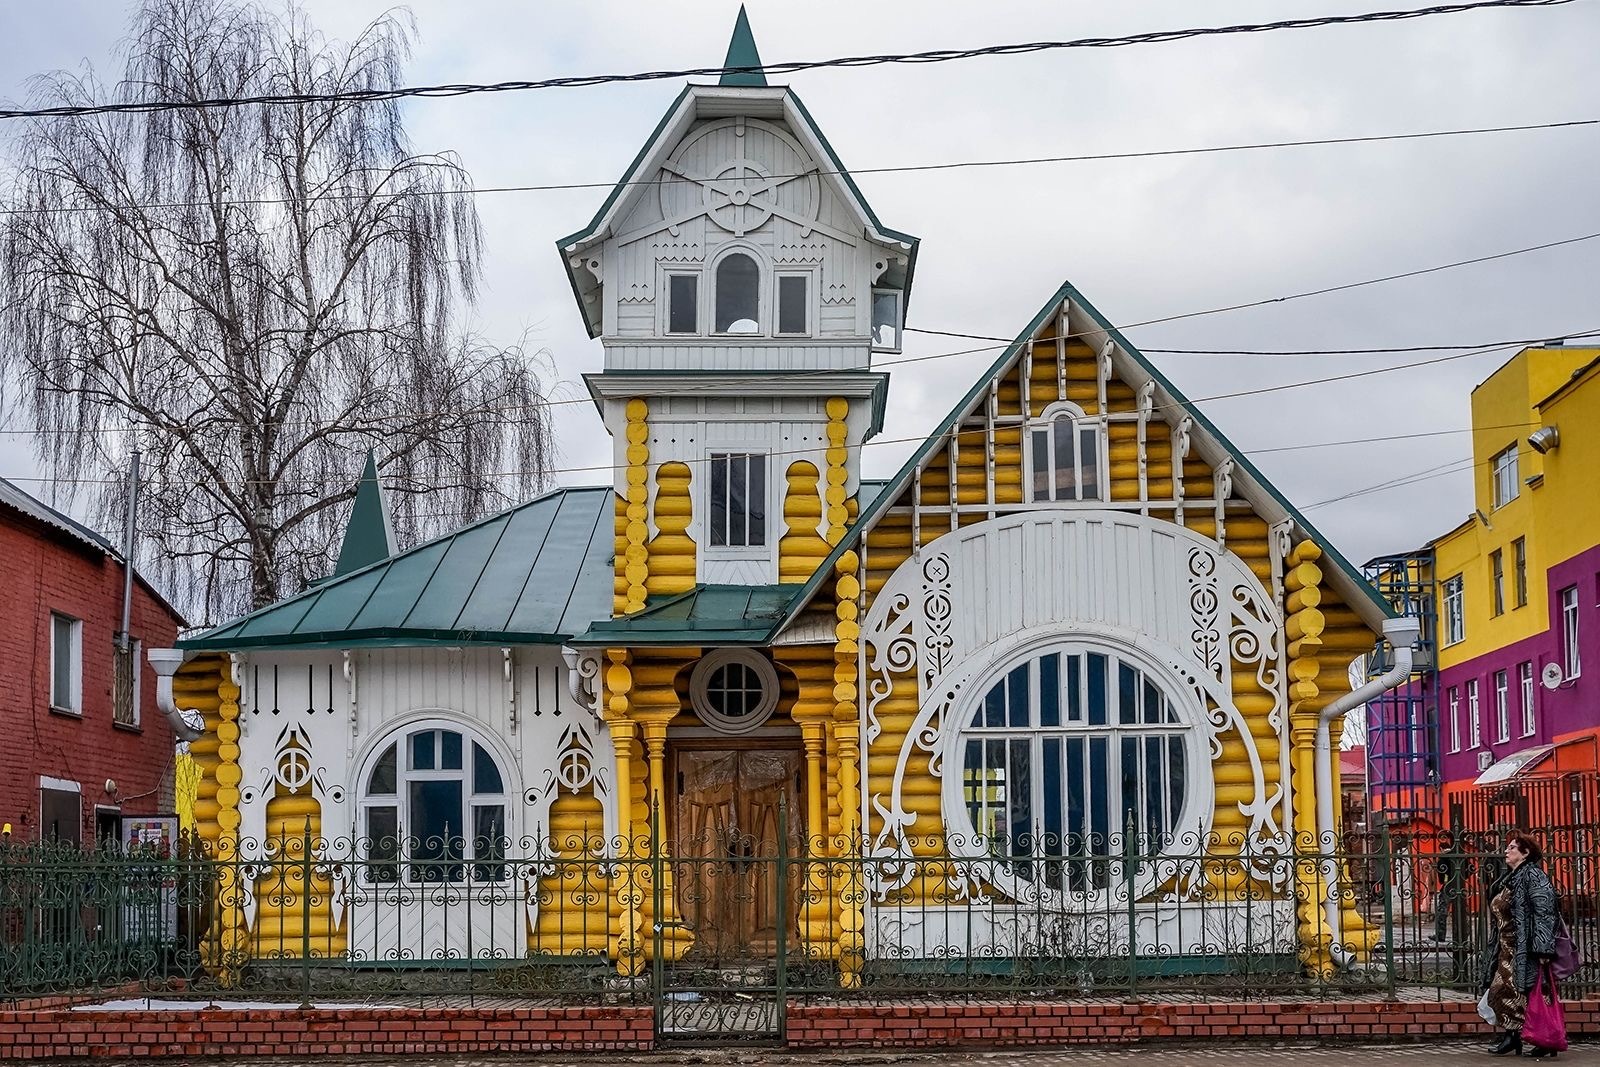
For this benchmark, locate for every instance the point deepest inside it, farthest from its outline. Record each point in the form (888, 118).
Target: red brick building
(76, 714)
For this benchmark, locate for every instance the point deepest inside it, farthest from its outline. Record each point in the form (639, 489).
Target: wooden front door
(739, 828)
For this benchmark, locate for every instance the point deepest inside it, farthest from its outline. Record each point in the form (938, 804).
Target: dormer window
(683, 303)
(1065, 453)
(738, 295)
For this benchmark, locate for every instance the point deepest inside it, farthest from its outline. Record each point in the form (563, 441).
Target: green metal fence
(308, 920)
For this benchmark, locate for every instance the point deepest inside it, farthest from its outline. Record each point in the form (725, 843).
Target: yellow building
(1059, 689)
(1519, 582)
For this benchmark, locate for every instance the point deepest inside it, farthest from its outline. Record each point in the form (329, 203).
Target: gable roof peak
(742, 53)
(370, 536)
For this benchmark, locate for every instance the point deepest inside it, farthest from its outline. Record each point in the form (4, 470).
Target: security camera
(1544, 439)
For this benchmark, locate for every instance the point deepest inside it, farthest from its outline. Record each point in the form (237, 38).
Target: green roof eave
(902, 478)
(670, 621)
(376, 638)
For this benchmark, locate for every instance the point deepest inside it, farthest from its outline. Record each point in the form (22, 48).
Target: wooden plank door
(727, 845)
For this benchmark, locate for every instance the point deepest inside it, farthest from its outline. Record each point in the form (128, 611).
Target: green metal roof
(536, 574)
(370, 536)
(742, 53)
(705, 615)
(1356, 589)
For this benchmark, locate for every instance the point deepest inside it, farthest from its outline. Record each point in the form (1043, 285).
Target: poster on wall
(150, 911)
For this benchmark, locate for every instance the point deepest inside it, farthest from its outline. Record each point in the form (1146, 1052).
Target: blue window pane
(450, 751)
(1074, 684)
(1097, 690)
(385, 777)
(1050, 690)
(422, 751)
(1076, 779)
(1154, 710)
(1177, 767)
(1019, 794)
(719, 500)
(1017, 696)
(1055, 801)
(1099, 794)
(1129, 814)
(485, 775)
(1155, 815)
(1127, 694)
(437, 830)
(995, 705)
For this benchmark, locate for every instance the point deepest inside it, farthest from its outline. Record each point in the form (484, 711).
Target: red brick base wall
(1117, 1023)
(38, 1035)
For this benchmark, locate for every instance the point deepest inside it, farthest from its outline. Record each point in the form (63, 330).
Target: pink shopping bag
(1546, 1023)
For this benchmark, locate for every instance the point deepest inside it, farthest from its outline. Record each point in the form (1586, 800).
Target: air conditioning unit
(1485, 759)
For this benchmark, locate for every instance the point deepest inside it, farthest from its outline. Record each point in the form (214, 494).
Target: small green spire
(742, 53)
(369, 538)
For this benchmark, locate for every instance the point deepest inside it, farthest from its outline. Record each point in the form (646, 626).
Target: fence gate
(734, 890)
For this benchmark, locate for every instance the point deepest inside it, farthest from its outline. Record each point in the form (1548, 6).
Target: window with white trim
(66, 664)
(1502, 706)
(1455, 611)
(433, 809)
(738, 296)
(734, 690)
(1064, 455)
(1519, 570)
(1474, 715)
(1571, 664)
(683, 303)
(1525, 684)
(886, 315)
(1455, 719)
(738, 499)
(1506, 482)
(794, 305)
(1062, 753)
(1497, 582)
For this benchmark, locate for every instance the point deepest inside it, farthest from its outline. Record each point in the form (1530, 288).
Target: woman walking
(1522, 937)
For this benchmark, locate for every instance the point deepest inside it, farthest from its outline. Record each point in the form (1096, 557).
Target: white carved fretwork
(975, 600)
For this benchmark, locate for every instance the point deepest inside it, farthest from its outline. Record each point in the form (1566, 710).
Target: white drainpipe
(1401, 635)
(166, 662)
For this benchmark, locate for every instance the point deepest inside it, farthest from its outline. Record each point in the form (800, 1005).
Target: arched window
(432, 802)
(738, 295)
(1061, 754)
(1065, 448)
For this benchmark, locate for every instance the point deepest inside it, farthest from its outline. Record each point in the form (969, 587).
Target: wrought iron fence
(304, 919)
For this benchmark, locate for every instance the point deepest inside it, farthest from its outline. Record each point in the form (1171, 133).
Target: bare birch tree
(255, 295)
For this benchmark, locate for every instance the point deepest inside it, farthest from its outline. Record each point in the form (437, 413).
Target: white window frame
(811, 302)
(1505, 470)
(74, 704)
(1571, 660)
(1455, 610)
(765, 302)
(1502, 706)
(400, 800)
(771, 534)
(664, 286)
(1497, 582)
(900, 319)
(1081, 423)
(1185, 825)
(1474, 715)
(1530, 722)
(700, 681)
(1455, 719)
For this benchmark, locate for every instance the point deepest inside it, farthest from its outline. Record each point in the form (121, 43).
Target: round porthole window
(734, 690)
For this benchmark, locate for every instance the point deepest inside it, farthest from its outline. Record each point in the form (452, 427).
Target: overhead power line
(906, 168)
(793, 67)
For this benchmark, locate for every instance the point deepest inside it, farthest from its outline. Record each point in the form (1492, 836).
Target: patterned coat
(1533, 902)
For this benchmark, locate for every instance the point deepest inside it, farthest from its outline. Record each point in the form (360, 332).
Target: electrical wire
(1153, 153)
(913, 58)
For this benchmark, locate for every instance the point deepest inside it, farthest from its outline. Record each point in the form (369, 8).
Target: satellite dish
(1552, 677)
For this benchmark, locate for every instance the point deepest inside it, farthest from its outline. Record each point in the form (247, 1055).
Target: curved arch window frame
(757, 668)
(1095, 870)
(405, 858)
(1090, 480)
(763, 296)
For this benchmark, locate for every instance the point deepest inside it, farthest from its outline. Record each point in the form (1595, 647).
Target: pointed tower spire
(369, 537)
(742, 53)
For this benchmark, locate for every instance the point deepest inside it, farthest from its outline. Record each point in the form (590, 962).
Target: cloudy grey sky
(1143, 238)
